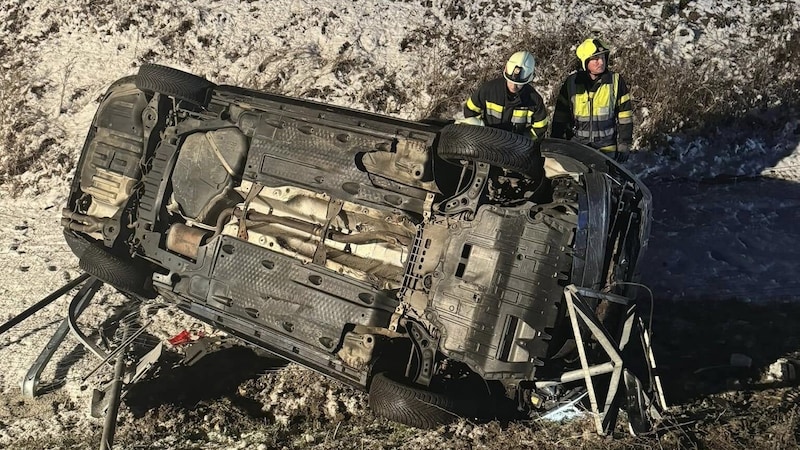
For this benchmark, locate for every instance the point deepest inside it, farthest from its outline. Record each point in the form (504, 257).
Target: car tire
(400, 402)
(174, 83)
(124, 275)
(497, 147)
(77, 244)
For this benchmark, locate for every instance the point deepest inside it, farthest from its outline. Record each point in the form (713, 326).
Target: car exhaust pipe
(80, 222)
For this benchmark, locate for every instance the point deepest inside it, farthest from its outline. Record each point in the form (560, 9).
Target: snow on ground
(724, 206)
(724, 217)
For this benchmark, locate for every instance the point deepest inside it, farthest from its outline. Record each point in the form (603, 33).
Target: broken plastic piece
(184, 337)
(567, 411)
(204, 346)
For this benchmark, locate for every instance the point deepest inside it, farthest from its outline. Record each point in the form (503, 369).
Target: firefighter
(510, 102)
(594, 106)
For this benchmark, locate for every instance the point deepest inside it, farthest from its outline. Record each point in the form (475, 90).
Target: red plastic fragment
(181, 338)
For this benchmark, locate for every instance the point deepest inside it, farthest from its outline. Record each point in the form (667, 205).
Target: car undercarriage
(441, 267)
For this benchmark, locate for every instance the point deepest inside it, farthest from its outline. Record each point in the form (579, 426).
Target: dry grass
(686, 98)
(30, 141)
(689, 98)
(735, 420)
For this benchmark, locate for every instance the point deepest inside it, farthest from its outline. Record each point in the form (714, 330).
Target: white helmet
(519, 68)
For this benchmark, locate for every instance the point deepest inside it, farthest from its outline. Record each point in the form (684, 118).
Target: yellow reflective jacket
(594, 112)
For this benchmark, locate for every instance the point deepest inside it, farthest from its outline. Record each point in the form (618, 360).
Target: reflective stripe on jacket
(520, 113)
(594, 112)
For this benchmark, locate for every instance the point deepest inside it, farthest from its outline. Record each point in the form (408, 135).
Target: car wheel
(119, 273)
(174, 83)
(413, 406)
(77, 244)
(491, 145)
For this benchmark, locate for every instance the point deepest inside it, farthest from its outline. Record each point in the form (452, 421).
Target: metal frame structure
(583, 317)
(105, 402)
(30, 384)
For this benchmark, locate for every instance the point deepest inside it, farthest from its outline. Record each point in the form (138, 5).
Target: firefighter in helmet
(594, 105)
(510, 102)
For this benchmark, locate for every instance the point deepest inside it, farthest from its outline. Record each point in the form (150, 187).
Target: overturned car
(447, 269)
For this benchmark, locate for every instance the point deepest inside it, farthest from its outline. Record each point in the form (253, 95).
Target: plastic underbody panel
(503, 271)
(274, 302)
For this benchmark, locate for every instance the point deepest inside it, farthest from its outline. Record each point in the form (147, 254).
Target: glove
(474, 120)
(621, 155)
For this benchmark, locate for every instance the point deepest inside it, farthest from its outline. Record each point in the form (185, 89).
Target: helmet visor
(517, 75)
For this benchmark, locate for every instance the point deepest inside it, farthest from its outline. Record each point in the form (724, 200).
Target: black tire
(174, 83)
(77, 244)
(117, 272)
(493, 146)
(413, 406)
